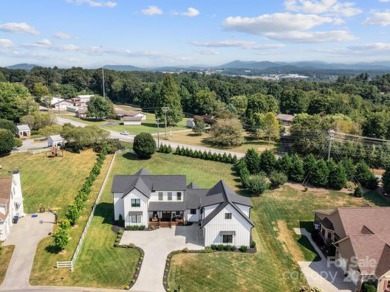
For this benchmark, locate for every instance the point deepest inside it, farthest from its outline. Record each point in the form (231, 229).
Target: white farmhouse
(165, 200)
(11, 202)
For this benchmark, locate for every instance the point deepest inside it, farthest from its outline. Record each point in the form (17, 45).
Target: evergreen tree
(297, 172)
(169, 97)
(267, 161)
(309, 164)
(365, 177)
(252, 160)
(320, 174)
(337, 177)
(284, 164)
(386, 180)
(349, 168)
(144, 145)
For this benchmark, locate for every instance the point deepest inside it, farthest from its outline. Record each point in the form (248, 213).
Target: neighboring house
(82, 113)
(132, 121)
(11, 202)
(60, 104)
(81, 100)
(23, 130)
(190, 123)
(72, 108)
(285, 120)
(165, 200)
(362, 240)
(121, 114)
(55, 141)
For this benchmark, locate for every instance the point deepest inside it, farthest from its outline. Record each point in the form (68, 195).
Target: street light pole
(165, 109)
(104, 90)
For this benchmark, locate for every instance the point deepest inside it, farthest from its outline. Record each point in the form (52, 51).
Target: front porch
(166, 218)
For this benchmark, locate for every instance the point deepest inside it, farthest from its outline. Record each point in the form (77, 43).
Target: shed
(190, 123)
(55, 141)
(132, 121)
(24, 130)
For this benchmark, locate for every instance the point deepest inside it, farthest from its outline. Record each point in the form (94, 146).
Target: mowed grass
(5, 258)
(189, 138)
(270, 267)
(49, 182)
(99, 263)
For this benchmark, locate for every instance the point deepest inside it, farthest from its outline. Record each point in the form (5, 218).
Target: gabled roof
(5, 193)
(23, 127)
(193, 186)
(128, 118)
(56, 138)
(285, 117)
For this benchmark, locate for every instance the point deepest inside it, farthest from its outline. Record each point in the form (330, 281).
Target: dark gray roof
(222, 193)
(192, 186)
(146, 183)
(167, 206)
(193, 197)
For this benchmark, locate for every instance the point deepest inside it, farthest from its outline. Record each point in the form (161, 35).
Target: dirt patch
(288, 242)
(315, 190)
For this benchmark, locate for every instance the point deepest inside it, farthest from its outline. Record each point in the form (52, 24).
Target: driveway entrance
(157, 245)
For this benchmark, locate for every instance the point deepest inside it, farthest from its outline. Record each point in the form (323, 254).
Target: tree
(377, 125)
(169, 97)
(50, 130)
(337, 177)
(258, 184)
(240, 104)
(320, 174)
(294, 101)
(61, 238)
(39, 90)
(349, 168)
(365, 177)
(37, 120)
(199, 125)
(252, 161)
(80, 138)
(277, 179)
(99, 107)
(267, 161)
(204, 102)
(297, 172)
(144, 145)
(267, 126)
(9, 125)
(72, 214)
(386, 180)
(15, 101)
(260, 103)
(226, 133)
(7, 142)
(284, 164)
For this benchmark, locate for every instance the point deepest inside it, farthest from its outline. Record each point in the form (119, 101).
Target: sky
(151, 33)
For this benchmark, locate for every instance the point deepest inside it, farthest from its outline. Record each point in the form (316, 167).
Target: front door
(166, 216)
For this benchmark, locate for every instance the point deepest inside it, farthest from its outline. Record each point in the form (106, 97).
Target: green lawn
(99, 263)
(278, 247)
(49, 182)
(5, 258)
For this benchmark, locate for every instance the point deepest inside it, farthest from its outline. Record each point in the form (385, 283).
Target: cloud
(191, 12)
(6, 43)
(313, 37)
(382, 47)
(18, 27)
(44, 42)
(378, 18)
(329, 7)
(384, 1)
(152, 10)
(66, 48)
(62, 35)
(210, 52)
(94, 3)
(238, 44)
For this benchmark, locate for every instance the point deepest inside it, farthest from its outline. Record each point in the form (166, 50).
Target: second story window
(178, 196)
(160, 196)
(135, 202)
(228, 215)
(169, 196)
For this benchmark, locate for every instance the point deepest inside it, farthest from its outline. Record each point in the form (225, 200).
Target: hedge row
(225, 158)
(61, 237)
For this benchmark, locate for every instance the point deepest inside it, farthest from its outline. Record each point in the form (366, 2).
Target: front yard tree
(170, 98)
(61, 238)
(199, 126)
(226, 133)
(7, 142)
(320, 175)
(99, 107)
(337, 177)
(297, 172)
(267, 161)
(258, 184)
(9, 125)
(144, 145)
(252, 161)
(365, 177)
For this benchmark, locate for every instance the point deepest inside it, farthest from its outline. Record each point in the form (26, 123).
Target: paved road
(25, 235)
(157, 245)
(30, 143)
(130, 138)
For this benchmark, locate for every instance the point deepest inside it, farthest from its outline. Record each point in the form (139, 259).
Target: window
(135, 202)
(160, 196)
(178, 213)
(228, 215)
(135, 218)
(227, 238)
(178, 196)
(169, 196)
(193, 211)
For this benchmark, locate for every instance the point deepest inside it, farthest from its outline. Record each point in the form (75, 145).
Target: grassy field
(99, 263)
(49, 182)
(191, 139)
(275, 214)
(5, 258)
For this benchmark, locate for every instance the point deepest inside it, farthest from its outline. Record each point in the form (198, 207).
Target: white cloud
(191, 12)
(330, 7)
(383, 47)
(384, 1)
(209, 52)
(6, 43)
(378, 18)
(62, 35)
(238, 44)
(18, 27)
(313, 36)
(67, 48)
(152, 10)
(44, 42)
(94, 3)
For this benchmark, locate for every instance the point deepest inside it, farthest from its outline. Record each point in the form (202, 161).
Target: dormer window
(178, 194)
(228, 215)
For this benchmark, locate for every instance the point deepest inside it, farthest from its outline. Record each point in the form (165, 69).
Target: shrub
(277, 179)
(233, 248)
(207, 249)
(368, 287)
(243, 248)
(227, 247)
(120, 231)
(73, 214)
(7, 141)
(131, 245)
(64, 224)
(185, 249)
(213, 247)
(61, 238)
(144, 145)
(358, 192)
(253, 244)
(220, 247)
(257, 184)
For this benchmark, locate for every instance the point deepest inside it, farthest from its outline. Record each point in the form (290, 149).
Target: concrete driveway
(25, 235)
(157, 245)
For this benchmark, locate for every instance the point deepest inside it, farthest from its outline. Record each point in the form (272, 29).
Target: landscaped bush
(205, 155)
(207, 249)
(253, 244)
(258, 184)
(135, 227)
(227, 247)
(277, 179)
(244, 248)
(220, 247)
(144, 145)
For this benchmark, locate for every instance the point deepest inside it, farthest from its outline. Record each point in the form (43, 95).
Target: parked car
(125, 133)
(15, 219)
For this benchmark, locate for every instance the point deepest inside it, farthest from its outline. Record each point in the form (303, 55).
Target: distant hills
(123, 68)
(23, 66)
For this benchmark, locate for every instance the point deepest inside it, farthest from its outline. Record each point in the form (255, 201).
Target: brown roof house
(11, 202)
(285, 119)
(362, 239)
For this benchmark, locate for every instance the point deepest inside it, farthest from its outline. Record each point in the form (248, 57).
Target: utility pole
(165, 109)
(158, 132)
(104, 90)
(331, 136)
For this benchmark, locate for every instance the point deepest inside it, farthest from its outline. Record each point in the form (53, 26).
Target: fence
(70, 264)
